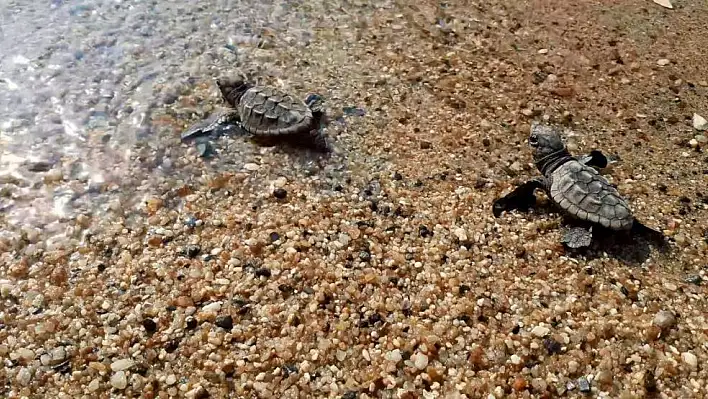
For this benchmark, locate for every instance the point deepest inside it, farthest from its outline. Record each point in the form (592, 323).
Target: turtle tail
(654, 236)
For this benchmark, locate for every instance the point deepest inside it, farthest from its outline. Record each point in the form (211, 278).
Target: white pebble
(461, 234)
(394, 356)
(171, 379)
(690, 359)
(699, 122)
(251, 167)
(663, 62)
(420, 361)
(94, 385)
(540, 331)
(212, 307)
(122, 364)
(119, 380)
(515, 359)
(24, 376)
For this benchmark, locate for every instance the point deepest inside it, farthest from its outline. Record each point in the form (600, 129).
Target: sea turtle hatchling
(575, 186)
(266, 114)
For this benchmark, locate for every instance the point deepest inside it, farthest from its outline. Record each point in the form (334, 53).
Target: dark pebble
(225, 322)
(397, 176)
(191, 323)
(486, 142)
(350, 395)
(426, 145)
(583, 384)
(169, 98)
(539, 77)
(694, 279)
(424, 232)
(650, 382)
(280, 193)
(101, 267)
(290, 369)
(274, 237)
(193, 250)
(201, 393)
(364, 256)
(263, 272)
(191, 222)
(150, 325)
(464, 288)
(39, 166)
(552, 346)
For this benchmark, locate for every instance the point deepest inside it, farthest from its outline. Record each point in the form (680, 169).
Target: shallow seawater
(83, 84)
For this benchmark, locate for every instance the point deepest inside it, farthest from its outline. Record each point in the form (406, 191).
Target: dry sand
(382, 272)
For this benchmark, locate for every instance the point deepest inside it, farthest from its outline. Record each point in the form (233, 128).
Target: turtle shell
(583, 193)
(266, 111)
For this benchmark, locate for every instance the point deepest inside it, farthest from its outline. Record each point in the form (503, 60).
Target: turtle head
(545, 141)
(315, 102)
(232, 88)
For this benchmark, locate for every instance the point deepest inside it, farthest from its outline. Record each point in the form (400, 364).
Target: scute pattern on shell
(582, 192)
(268, 111)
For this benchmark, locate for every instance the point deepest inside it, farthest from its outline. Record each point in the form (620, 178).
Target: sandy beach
(132, 266)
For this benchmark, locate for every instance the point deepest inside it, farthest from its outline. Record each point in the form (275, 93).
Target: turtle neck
(552, 161)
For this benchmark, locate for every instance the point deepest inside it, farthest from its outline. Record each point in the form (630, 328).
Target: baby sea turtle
(266, 114)
(575, 186)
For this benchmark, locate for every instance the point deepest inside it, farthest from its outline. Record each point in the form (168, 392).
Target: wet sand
(380, 271)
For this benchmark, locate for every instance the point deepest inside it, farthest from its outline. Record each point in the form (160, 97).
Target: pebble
(394, 356)
(693, 143)
(540, 331)
(280, 193)
(664, 319)
(225, 322)
(171, 379)
(583, 384)
(543, 51)
(213, 307)
(461, 234)
(251, 167)
(119, 380)
(24, 376)
(699, 123)
(94, 385)
(690, 359)
(122, 364)
(663, 62)
(149, 325)
(420, 361)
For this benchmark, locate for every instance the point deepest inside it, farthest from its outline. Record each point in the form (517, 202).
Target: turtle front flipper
(213, 125)
(595, 159)
(521, 198)
(577, 237)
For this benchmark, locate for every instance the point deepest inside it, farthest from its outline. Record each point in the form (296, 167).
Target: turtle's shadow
(620, 245)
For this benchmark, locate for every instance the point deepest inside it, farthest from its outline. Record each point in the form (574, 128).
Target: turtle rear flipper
(577, 237)
(213, 126)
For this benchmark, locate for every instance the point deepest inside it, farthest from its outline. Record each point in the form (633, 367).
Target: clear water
(81, 82)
